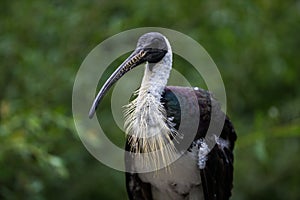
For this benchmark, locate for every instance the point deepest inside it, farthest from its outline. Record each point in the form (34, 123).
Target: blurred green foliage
(255, 44)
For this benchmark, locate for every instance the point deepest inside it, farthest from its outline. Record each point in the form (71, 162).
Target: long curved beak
(135, 59)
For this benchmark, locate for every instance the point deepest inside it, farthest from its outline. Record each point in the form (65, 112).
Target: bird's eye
(155, 55)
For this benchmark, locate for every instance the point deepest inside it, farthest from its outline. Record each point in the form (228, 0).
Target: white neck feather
(146, 112)
(156, 76)
(146, 109)
(145, 117)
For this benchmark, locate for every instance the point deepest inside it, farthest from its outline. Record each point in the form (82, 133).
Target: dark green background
(255, 44)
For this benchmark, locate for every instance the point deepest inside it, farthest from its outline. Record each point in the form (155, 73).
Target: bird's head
(151, 48)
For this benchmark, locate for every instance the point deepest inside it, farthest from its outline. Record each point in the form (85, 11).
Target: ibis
(152, 124)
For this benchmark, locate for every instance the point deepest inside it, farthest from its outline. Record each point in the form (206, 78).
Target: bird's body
(198, 173)
(154, 137)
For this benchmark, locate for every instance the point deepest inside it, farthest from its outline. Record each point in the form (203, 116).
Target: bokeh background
(255, 44)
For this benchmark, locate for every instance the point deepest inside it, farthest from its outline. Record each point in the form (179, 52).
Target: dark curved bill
(132, 61)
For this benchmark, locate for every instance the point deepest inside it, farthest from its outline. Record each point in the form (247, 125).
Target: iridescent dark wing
(217, 176)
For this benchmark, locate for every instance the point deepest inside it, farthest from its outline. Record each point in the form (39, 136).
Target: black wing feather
(217, 176)
(136, 188)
